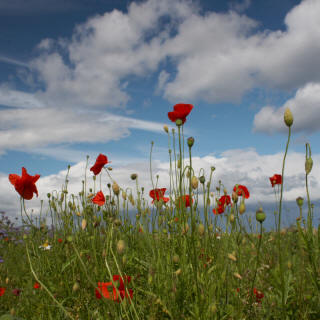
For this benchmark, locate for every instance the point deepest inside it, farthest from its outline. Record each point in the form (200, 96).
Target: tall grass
(180, 266)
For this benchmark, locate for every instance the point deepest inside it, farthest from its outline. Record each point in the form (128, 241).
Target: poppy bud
(121, 246)
(260, 215)
(178, 122)
(308, 165)
(109, 168)
(117, 222)
(190, 141)
(231, 218)
(178, 272)
(201, 229)
(202, 179)
(237, 275)
(194, 182)
(115, 188)
(242, 207)
(299, 201)
(179, 164)
(165, 127)
(75, 287)
(213, 168)
(175, 259)
(83, 224)
(109, 185)
(288, 118)
(232, 257)
(7, 280)
(234, 197)
(124, 195)
(134, 176)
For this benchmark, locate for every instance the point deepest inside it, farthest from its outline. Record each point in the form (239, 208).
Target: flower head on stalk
(25, 185)
(275, 179)
(180, 112)
(99, 164)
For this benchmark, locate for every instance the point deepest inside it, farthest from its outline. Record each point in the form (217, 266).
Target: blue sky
(82, 77)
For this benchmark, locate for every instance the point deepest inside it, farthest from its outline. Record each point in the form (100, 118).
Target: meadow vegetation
(95, 262)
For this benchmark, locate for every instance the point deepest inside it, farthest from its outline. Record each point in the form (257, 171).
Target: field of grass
(94, 262)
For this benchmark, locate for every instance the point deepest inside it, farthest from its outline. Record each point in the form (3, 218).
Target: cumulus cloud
(216, 57)
(305, 106)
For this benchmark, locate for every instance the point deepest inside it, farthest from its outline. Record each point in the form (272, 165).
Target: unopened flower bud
(232, 257)
(175, 259)
(115, 188)
(190, 141)
(234, 197)
(134, 176)
(124, 195)
(201, 229)
(299, 201)
(231, 218)
(121, 246)
(242, 207)
(83, 224)
(194, 182)
(165, 127)
(179, 164)
(260, 215)
(308, 165)
(202, 179)
(288, 117)
(76, 287)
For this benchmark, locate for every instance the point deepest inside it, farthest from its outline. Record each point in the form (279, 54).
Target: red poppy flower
(36, 285)
(99, 199)
(276, 179)
(99, 164)
(223, 202)
(98, 294)
(259, 295)
(242, 189)
(159, 194)
(60, 240)
(2, 291)
(25, 185)
(181, 110)
(122, 290)
(186, 200)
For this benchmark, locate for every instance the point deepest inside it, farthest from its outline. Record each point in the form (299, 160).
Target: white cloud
(218, 56)
(240, 6)
(305, 107)
(244, 167)
(37, 128)
(15, 98)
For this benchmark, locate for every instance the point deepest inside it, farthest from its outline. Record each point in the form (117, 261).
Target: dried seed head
(288, 117)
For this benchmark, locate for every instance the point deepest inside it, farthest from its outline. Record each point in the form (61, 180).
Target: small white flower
(46, 246)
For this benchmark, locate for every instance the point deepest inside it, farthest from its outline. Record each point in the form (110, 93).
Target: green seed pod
(175, 259)
(178, 122)
(260, 215)
(201, 229)
(202, 179)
